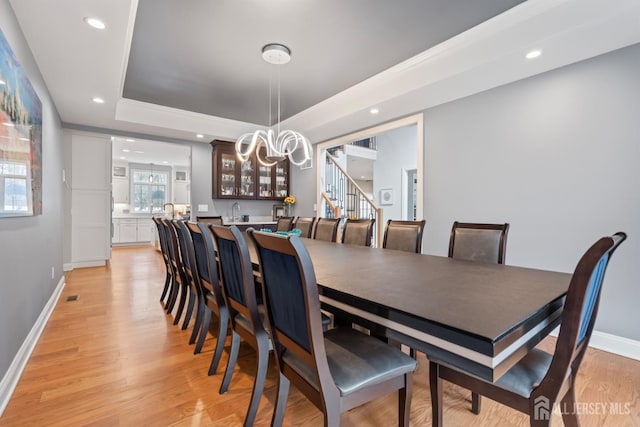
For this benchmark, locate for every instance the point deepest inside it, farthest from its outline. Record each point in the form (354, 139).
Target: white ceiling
(135, 150)
(78, 63)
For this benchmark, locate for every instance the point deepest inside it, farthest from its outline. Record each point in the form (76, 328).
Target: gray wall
(31, 245)
(557, 156)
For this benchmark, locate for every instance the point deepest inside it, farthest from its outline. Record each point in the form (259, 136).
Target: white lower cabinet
(132, 230)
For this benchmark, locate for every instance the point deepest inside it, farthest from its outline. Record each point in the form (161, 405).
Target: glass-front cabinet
(232, 178)
(235, 179)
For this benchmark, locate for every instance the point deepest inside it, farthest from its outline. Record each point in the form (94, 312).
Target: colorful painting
(20, 139)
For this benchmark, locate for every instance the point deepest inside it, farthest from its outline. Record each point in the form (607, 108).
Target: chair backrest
(164, 248)
(285, 223)
(217, 220)
(236, 274)
(305, 225)
(205, 259)
(478, 242)
(404, 235)
(293, 305)
(326, 229)
(579, 313)
(186, 254)
(174, 250)
(358, 232)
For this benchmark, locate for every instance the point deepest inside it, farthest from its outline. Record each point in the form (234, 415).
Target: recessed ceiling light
(139, 152)
(95, 23)
(130, 140)
(374, 111)
(533, 54)
(200, 136)
(165, 162)
(362, 176)
(98, 100)
(123, 158)
(126, 151)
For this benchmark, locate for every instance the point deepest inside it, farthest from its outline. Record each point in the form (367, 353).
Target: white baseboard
(82, 264)
(612, 344)
(67, 266)
(11, 377)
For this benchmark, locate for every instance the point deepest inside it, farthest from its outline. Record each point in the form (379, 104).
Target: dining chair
(305, 225)
(217, 220)
(164, 250)
(541, 380)
(404, 235)
(184, 243)
(336, 370)
(326, 229)
(181, 285)
(358, 232)
(213, 301)
(478, 242)
(285, 223)
(238, 289)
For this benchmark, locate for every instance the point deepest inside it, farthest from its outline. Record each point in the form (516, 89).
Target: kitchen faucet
(173, 209)
(233, 209)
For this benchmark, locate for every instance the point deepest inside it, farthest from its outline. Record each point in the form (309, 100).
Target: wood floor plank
(114, 358)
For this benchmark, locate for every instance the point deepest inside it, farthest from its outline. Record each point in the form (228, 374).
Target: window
(149, 189)
(15, 192)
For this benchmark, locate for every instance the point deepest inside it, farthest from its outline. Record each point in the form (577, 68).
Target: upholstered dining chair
(326, 229)
(358, 232)
(166, 258)
(213, 301)
(239, 293)
(337, 370)
(540, 380)
(181, 284)
(478, 242)
(217, 220)
(305, 225)
(404, 235)
(285, 223)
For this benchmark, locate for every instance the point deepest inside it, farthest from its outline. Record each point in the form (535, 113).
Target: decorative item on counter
(289, 201)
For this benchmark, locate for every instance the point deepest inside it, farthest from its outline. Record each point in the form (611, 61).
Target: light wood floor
(114, 358)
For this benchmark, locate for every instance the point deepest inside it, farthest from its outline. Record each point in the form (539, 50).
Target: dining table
(479, 318)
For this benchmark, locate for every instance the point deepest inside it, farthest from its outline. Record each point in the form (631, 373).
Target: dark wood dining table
(481, 318)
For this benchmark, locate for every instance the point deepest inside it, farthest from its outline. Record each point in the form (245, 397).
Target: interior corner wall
(557, 156)
(31, 246)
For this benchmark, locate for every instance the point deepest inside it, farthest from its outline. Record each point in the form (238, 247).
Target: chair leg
(203, 330)
(183, 299)
(281, 401)
(196, 326)
(223, 323)
(404, 401)
(173, 296)
(258, 385)
(187, 315)
(475, 402)
(435, 384)
(167, 282)
(569, 417)
(231, 363)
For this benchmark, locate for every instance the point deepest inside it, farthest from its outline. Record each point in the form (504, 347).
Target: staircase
(343, 198)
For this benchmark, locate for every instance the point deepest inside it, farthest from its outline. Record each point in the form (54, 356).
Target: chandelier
(280, 144)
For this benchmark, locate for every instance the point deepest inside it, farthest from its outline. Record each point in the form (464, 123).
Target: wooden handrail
(334, 208)
(355, 184)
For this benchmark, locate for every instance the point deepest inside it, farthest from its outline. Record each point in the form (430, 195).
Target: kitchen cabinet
(235, 179)
(120, 189)
(181, 192)
(132, 230)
